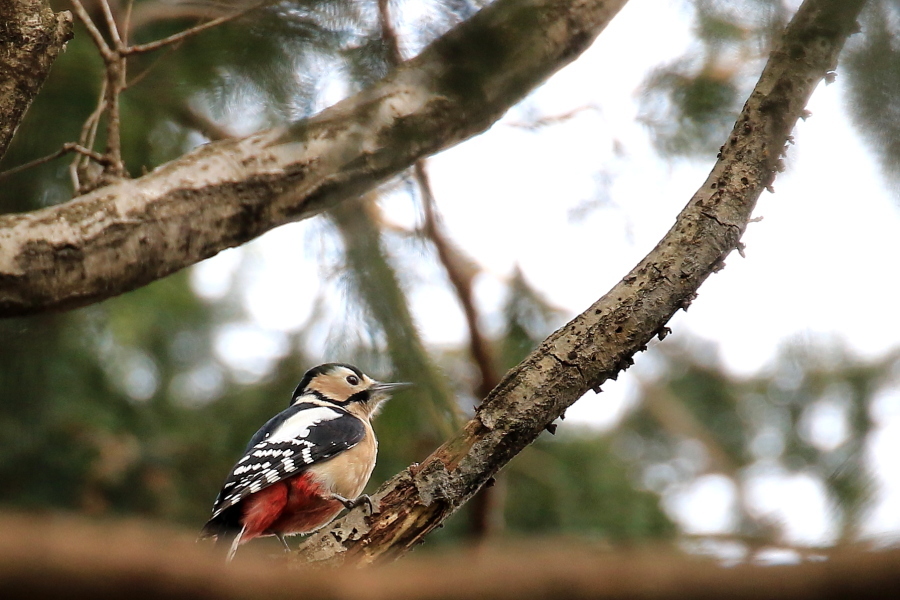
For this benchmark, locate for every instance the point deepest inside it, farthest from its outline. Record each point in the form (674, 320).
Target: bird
(307, 463)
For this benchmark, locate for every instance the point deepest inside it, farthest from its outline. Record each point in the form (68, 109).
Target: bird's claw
(351, 504)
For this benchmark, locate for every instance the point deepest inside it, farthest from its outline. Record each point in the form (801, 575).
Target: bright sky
(814, 266)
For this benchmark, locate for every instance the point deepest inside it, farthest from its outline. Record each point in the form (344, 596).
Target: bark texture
(128, 234)
(52, 557)
(600, 343)
(31, 37)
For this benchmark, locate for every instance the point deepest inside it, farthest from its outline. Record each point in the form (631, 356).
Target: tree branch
(66, 149)
(600, 343)
(461, 271)
(31, 37)
(223, 194)
(379, 290)
(58, 557)
(183, 35)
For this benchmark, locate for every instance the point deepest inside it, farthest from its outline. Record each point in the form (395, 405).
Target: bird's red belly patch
(295, 505)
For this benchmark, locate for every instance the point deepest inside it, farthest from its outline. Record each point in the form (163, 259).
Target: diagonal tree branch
(31, 37)
(600, 343)
(130, 233)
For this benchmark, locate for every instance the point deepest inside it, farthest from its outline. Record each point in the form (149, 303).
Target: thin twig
(105, 51)
(66, 149)
(88, 135)
(111, 25)
(190, 118)
(388, 34)
(115, 77)
(461, 271)
(126, 26)
(89, 129)
(140, 76)
(150, 46)
(115, 74)
(547, 120)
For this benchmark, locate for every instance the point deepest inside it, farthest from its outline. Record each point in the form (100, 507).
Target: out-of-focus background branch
(94, 562)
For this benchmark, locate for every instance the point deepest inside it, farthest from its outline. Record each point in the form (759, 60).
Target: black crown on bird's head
(321, 370)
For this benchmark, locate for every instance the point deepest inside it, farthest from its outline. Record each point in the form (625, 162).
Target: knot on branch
(433, 483)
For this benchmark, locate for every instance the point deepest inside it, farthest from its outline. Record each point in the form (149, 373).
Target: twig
(111, 25)
(115, 83)
(115, 75)
(66, 148)
(461, 272)
(89, 129)
(88, 134)
(105, 51)
(547, 120)
(388, 34)
(177, 37)
(140, 76)
(190, 118)
(126, 26)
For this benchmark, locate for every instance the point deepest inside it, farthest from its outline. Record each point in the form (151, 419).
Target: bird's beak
(388, 388)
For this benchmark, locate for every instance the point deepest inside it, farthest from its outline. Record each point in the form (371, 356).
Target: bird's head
(345, 386)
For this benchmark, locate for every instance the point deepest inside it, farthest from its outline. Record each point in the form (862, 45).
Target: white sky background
(817, 266)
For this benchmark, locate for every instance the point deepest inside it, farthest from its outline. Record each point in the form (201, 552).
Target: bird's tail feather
(235, 544)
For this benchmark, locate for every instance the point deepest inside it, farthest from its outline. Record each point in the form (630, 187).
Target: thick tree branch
(130, 233)
(600, 343)
(31, 37)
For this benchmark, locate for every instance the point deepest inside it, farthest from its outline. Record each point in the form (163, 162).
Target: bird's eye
(352, 379)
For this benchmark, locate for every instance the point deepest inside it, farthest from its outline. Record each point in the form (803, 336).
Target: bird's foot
(283, 542)
(351, 504)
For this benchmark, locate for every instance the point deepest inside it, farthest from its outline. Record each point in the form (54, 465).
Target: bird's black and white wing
(292, 441)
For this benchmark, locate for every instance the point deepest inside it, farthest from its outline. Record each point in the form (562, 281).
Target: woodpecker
(307, 463)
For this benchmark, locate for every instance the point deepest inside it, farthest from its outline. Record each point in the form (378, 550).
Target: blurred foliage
(809, 415)
(872, 64)
(128, 408)
(690, 105)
